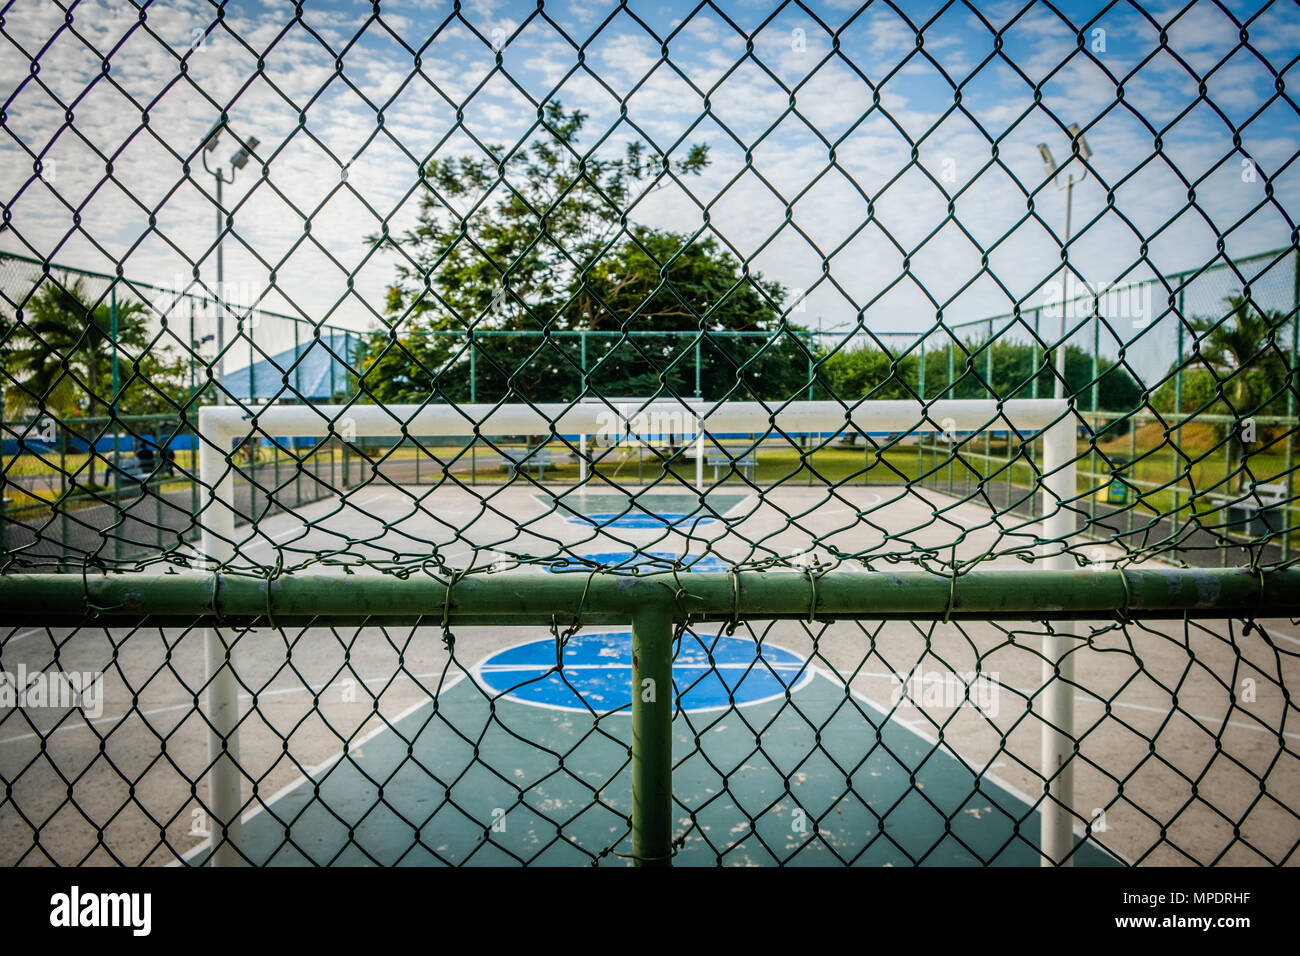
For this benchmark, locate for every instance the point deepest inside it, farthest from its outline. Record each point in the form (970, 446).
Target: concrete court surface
(378, 684)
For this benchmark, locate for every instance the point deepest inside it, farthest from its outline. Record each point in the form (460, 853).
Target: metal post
(1033, 356)
(811, 372)
(698, 393)
(1060, 347)
(221, 312)
(582, 458)
(1096, 363)
(224, 799)
(699, 456)
(988, 377)
(523, 598)
(112, 411)
(1288, 509)
(193, 349)
(652, 735)
(920, 373)
(950, 390)
(1057, 749)
(1178, 414)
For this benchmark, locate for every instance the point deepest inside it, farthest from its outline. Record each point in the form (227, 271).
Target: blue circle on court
(633, 520)
(710, 672)
(645, 562)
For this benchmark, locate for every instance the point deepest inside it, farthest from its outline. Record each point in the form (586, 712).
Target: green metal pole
(473, 372)
(63, 488)
(1033, 353)
(527, 597)
(1132, 457)
(1096, 362)
(1178, 412)
(117, 435)
(811, 373)
(1289, 508)
(698, 393)
(920, 393)
(652, 735)
(988, 362)
(950, 391)
(193, 348)
(988, 377)
(920, 373)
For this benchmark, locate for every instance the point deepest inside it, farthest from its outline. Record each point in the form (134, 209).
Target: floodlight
(1048, 163)
(240, 159)
(1084, 151)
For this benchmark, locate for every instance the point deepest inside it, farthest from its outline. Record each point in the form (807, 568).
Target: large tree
(543, 245)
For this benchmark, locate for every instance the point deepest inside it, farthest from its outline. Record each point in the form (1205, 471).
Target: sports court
(792, 742)
(509, 433)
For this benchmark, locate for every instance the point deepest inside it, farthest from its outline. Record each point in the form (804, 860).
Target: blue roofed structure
(319, 376)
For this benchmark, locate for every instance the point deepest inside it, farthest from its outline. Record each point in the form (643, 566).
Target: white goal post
(220, 426)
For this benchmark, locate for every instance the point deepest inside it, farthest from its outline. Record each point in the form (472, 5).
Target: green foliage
(1237, 366)
(547, 248)
(61, 352)
(872, 373)
(60, 355)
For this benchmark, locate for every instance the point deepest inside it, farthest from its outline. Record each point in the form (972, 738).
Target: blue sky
(707, 58)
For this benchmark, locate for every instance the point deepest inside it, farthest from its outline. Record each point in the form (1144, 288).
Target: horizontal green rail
(526, 596)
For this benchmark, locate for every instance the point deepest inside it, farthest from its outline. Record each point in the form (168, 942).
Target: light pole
(238, 161)
(1054, 171)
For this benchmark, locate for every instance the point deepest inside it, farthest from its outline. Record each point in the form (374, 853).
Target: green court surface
(483, 779)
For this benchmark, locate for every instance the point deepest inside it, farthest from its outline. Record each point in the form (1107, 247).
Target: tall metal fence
(629, 471)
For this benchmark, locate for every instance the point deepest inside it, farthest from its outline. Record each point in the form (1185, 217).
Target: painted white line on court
(1197, 718)
(30, 632)
(934, 742)
(312, 772)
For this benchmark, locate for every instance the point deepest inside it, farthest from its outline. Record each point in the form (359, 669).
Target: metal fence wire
(717, 436)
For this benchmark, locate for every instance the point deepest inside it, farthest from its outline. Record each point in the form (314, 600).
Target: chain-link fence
(594, 445)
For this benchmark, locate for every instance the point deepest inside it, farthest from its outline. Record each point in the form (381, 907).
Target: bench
(1257, 509)
(747, 465)
(141, 469)
(513, 462)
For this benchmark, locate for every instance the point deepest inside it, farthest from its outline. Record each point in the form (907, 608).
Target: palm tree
(60, 353)
(1241, 350)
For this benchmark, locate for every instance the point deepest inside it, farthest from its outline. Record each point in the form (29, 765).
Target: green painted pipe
(527, 596)
(652, 736)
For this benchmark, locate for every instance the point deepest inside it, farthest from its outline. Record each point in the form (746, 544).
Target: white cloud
(869, 149)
